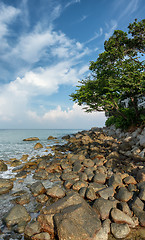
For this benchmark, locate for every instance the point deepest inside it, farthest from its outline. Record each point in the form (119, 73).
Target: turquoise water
(13, 146)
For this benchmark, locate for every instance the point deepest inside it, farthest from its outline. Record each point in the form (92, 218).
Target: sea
(12, 146)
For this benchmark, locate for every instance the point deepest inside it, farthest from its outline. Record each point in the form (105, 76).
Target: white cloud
(111, 27)
(70, 118)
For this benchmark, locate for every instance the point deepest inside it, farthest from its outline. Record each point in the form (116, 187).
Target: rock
(38, 145)
(86, 140)
(55, 192)
(103, 207)
(124, 195)
(68, 184)
(77, 222)
(16, 215)
(90, 194)
(138, 203)
(123, 206)
(115, 180)
(88, 163)
(51, 138)
(5, 185)
(142, 141)
(102, 234)
(47, 223)
(106, 192)
(72, 198)
(37, 189)
(120, 231)
(31, 229)
(142, 194)
(82, 192)
(31, 139)
(41, 175)
(3, 166)
(140, 214)
(24, 199)
(140, 175)
(96, 186)
(41, 236)
(42, 198)
(77, 167)
(83, 176)
(78, 185)
(129, 180)
(120, 217)
(24, 157)
(99, 178)
(69, 176)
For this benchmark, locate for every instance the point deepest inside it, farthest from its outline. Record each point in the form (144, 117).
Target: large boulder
(16, 215)
(77, 222)
(31, 139)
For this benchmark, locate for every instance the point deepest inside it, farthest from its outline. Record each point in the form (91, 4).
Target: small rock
(106, 192)
(42, 198)
(124, 195)
(142, 194)
(120, 217)
(90, 194)
(88, 163)
(41, 236)
(38, 145)
(99, 178)
(37, 189)
(129, 180)
(31, 139)
(55, 192)
(115, 180)
(5, 185)
(120, 231)
(24, 199)
(32, 228)
(69, 176)
(3, 166)
(78, 185)
(103, 207)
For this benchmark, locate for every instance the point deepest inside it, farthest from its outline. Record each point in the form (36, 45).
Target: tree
(117, 74)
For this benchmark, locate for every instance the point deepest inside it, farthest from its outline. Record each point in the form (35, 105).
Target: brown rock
(38, 145)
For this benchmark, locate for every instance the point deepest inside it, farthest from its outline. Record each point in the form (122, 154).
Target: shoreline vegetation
(92, 187)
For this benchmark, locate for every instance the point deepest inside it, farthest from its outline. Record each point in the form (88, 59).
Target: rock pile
(98, 189)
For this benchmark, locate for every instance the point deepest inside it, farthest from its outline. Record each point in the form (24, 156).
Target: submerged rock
(5, 185)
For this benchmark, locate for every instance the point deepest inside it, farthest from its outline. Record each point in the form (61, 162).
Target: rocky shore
(97, 189)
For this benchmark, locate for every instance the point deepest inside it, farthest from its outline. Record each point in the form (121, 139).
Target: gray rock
(129, 180)
(99, 178)
(72, 198)
(106, 192)
(120, 217)
(77, 222)
(41, 175)
(3, 166)
(88, 163)
(16, 215)
(138, 203)
(82, 192)
(5, 185)
(78, 185)
(37, 189)
(69, 176)
(140, 214)
(102, 234)
(55, 192)
(41, 236)
(142, 194)
(142, 141)
(103, 207)
(32, 228)
(90, 194)
(123, 206)
(124, 195)
(96, 186)
(120, 231)
(83, 176)
(115, 180)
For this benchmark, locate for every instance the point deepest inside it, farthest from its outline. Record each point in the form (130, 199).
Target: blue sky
(45, 49)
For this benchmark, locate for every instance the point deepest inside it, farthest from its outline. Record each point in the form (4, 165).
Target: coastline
(94, 167)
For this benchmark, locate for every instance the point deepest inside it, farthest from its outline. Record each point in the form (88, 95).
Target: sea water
(13, 146)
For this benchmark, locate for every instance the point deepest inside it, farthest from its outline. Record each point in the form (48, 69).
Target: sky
(45, 48)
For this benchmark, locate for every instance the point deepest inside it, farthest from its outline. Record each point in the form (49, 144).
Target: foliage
(117, 74)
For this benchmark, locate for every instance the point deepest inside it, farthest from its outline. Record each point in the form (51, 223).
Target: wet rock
(5, 185)
(77, 222)
(15, 163)
(16, 215)
(24, 199)
(41, 175)
(24, 157)
(124, 195)
(38, 145)
(55, 192)
(42, 198)
(3, 166)
(103, 207)
(22, 174)
(106, 192)
(120, 217)
(47, 223)
(90, 194)
(120, 231)
(41, 236)
(51, 138)
(37, 189)
(99, 178)
(42, 164)
(31, 229)
(31, 139)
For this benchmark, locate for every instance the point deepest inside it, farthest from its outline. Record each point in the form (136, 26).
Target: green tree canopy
(117, 74)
